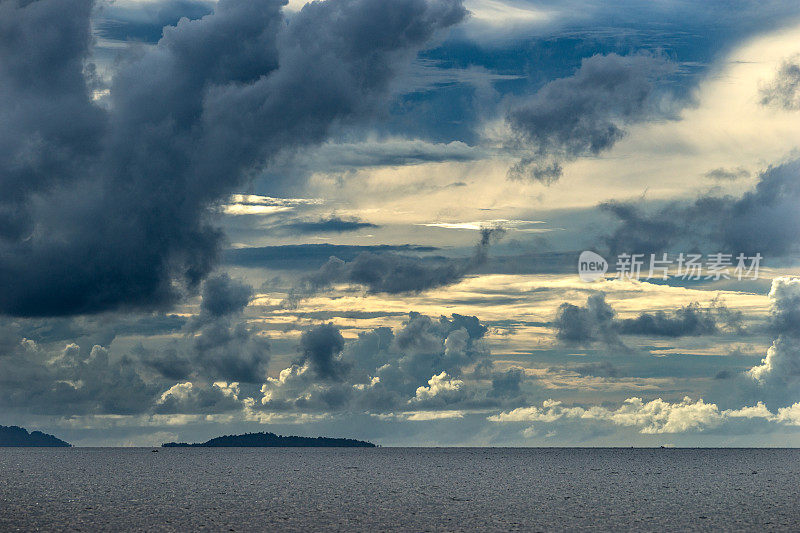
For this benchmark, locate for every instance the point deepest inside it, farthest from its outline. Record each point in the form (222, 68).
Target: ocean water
(404, 489)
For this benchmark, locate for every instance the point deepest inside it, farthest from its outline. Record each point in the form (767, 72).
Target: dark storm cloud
(88, 331)
(689, 320)
(596, 321)
(224, 296)
(72, 381)
(107, 208)
(507, 384)
(40, 372)
(584, 114)
(764, 220)
(223, 346)
(321, 349)
(784, 90)
(332, 224)
(394, 273)
(230, 351)
(586, 324)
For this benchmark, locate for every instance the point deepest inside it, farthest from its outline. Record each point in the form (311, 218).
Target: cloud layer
(107, 207)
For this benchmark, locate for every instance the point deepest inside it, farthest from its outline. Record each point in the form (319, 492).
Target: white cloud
(179, 392)
(653, 417)
(438, 386)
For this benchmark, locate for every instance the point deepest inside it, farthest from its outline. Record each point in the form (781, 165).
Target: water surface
(408, 489)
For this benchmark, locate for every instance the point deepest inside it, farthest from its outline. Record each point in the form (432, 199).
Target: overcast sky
(361, 218)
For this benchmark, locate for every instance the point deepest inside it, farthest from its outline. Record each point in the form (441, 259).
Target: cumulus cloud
(586, 324)
(649, 417)
(784, 314)
(188, 398)
(223, 346)
(596, 321)
(322, 347)
(584, 114)
(440, 387)
(424, 364)
(691, 319)
(68, 380)
(224, 296)
(109, 207)
(774, 380)
(781, 366)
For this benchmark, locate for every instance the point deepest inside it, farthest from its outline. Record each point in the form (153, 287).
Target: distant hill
(271, 440)
(17, 436)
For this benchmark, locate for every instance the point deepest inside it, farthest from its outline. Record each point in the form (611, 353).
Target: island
(271, 440)
(17, 436)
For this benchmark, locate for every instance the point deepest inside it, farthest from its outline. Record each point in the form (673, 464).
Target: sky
(364, 219)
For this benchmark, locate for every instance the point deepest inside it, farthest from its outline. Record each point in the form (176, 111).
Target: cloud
(393, 273)
(763, 220)
(105, 207)
(583, 114)
(781, 366)
(223, 346)
(784, 90)
(725, 174)
(333, 156)
(603, 368)
(691, 319)
(586, 324)
(507, 384)
(596, 321)
(145, 21)
(774, 380)
(258, 205)
(322, 348)
(188, 398)
(224, 296)
(650, 417)
(784, 298)
(332, 224)
(235, 352)
(441, 387)
(421, 364)
(47, 373)
(69, 380)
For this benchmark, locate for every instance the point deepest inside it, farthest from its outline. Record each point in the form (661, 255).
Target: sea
(399, 489)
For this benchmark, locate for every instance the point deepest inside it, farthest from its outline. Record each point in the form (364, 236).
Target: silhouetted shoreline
(15, 436)
(270, 440)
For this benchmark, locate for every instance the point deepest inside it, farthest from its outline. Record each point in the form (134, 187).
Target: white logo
(591, 266)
